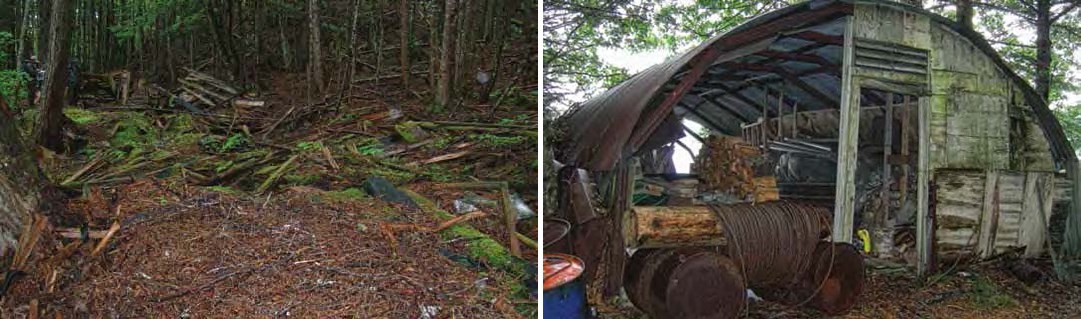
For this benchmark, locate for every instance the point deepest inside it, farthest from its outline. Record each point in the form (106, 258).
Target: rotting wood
(105, 240)
(273, 178)
(989, 215)
(673, 226)
(510, 214)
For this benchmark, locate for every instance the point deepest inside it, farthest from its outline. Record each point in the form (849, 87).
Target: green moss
(480, 246)
(224, 190)
(81, 116)
(409, 131)
(301, 179)
(986, 295)
(133, 131)
(185, 139)
(181, 123)
(345, 195)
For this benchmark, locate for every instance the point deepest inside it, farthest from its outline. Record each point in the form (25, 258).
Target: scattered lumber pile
(728, 164)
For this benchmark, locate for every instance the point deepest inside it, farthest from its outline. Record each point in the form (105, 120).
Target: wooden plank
(1032, 234)
(847, 145)
(905, 133)
(887, 169)
(924, 224)
(989, 216)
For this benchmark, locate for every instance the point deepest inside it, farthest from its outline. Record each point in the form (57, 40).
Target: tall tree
(315, 59)
(443, 93)
(51, 119)
(403, 35)
(964, 13)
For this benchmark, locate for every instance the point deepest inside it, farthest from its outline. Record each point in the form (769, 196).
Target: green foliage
(309, 147)
(576, 29)
(987, 295)
(234, 142)
(499, 141)
(81, 116)
(371, 149)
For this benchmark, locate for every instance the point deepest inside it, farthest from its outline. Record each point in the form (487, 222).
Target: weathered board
(1011, 210)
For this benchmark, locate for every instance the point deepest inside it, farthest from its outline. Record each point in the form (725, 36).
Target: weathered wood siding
(980, 128)
(972, 219)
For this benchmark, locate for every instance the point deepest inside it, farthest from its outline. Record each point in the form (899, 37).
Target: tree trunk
(964, 13)
(19, 182)
(403, 35)
(51, 119)
(19, 49)
(44, 15)
(446, 69)
(315, 60)
(1043, 49)
(347, 82)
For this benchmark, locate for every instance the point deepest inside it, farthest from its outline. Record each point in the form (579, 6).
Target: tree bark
(19, 181)
(51, 119)
(1043, 49)
(44, 15)
(446, 69)
(964, 13)
(315, 62)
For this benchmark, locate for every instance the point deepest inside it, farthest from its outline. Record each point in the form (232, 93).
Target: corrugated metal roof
(610, 126)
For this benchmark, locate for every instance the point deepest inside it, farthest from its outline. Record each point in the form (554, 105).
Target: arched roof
(794, 53)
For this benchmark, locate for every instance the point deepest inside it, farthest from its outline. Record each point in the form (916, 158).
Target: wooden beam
(924, 222)
(989, 215)
(726, 107)
(847, 145)
(819, 37)
(791, 56)
(709, 122)
(788, 76)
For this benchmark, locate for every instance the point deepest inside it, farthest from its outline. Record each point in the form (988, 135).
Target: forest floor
(981, 291)
(284, 210)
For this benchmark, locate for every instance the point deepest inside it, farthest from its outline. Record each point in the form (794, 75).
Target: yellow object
(865, 237)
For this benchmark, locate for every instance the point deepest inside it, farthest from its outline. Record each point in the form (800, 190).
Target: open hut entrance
(765, 122)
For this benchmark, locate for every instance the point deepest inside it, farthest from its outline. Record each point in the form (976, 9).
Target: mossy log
(672, 226)
(481, 246)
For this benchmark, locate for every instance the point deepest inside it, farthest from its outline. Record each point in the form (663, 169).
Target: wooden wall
(989, 159)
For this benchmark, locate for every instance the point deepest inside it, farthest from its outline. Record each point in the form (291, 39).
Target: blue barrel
(564, 289)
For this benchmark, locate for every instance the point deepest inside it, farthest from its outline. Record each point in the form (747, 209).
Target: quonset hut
(910, 130)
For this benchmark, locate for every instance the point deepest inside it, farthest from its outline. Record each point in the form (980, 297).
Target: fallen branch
(441, 158)
(456, 220)
(273, 179)
(105, 240)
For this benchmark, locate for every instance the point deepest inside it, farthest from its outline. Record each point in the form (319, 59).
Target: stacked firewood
(727, 164)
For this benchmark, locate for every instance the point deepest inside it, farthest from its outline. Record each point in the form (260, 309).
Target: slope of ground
(243, 211)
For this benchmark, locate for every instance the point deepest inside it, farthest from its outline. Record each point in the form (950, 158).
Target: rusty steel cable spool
(633, 272)
(650, 288)
(772, 243)
(837, 278)
(705, 285)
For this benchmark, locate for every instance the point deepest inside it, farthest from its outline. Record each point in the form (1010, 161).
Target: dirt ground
(983, 291)
(302, 253)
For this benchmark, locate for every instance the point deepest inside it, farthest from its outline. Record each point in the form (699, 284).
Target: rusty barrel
(835, 281)
(564, 289)
(684, 283)
(706, 285)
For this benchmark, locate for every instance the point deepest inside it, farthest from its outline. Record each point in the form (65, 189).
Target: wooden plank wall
(992, 211)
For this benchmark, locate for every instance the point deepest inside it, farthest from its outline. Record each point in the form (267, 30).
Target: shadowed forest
(286, 158)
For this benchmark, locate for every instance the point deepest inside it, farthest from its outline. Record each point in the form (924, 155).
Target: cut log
(672, 226)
